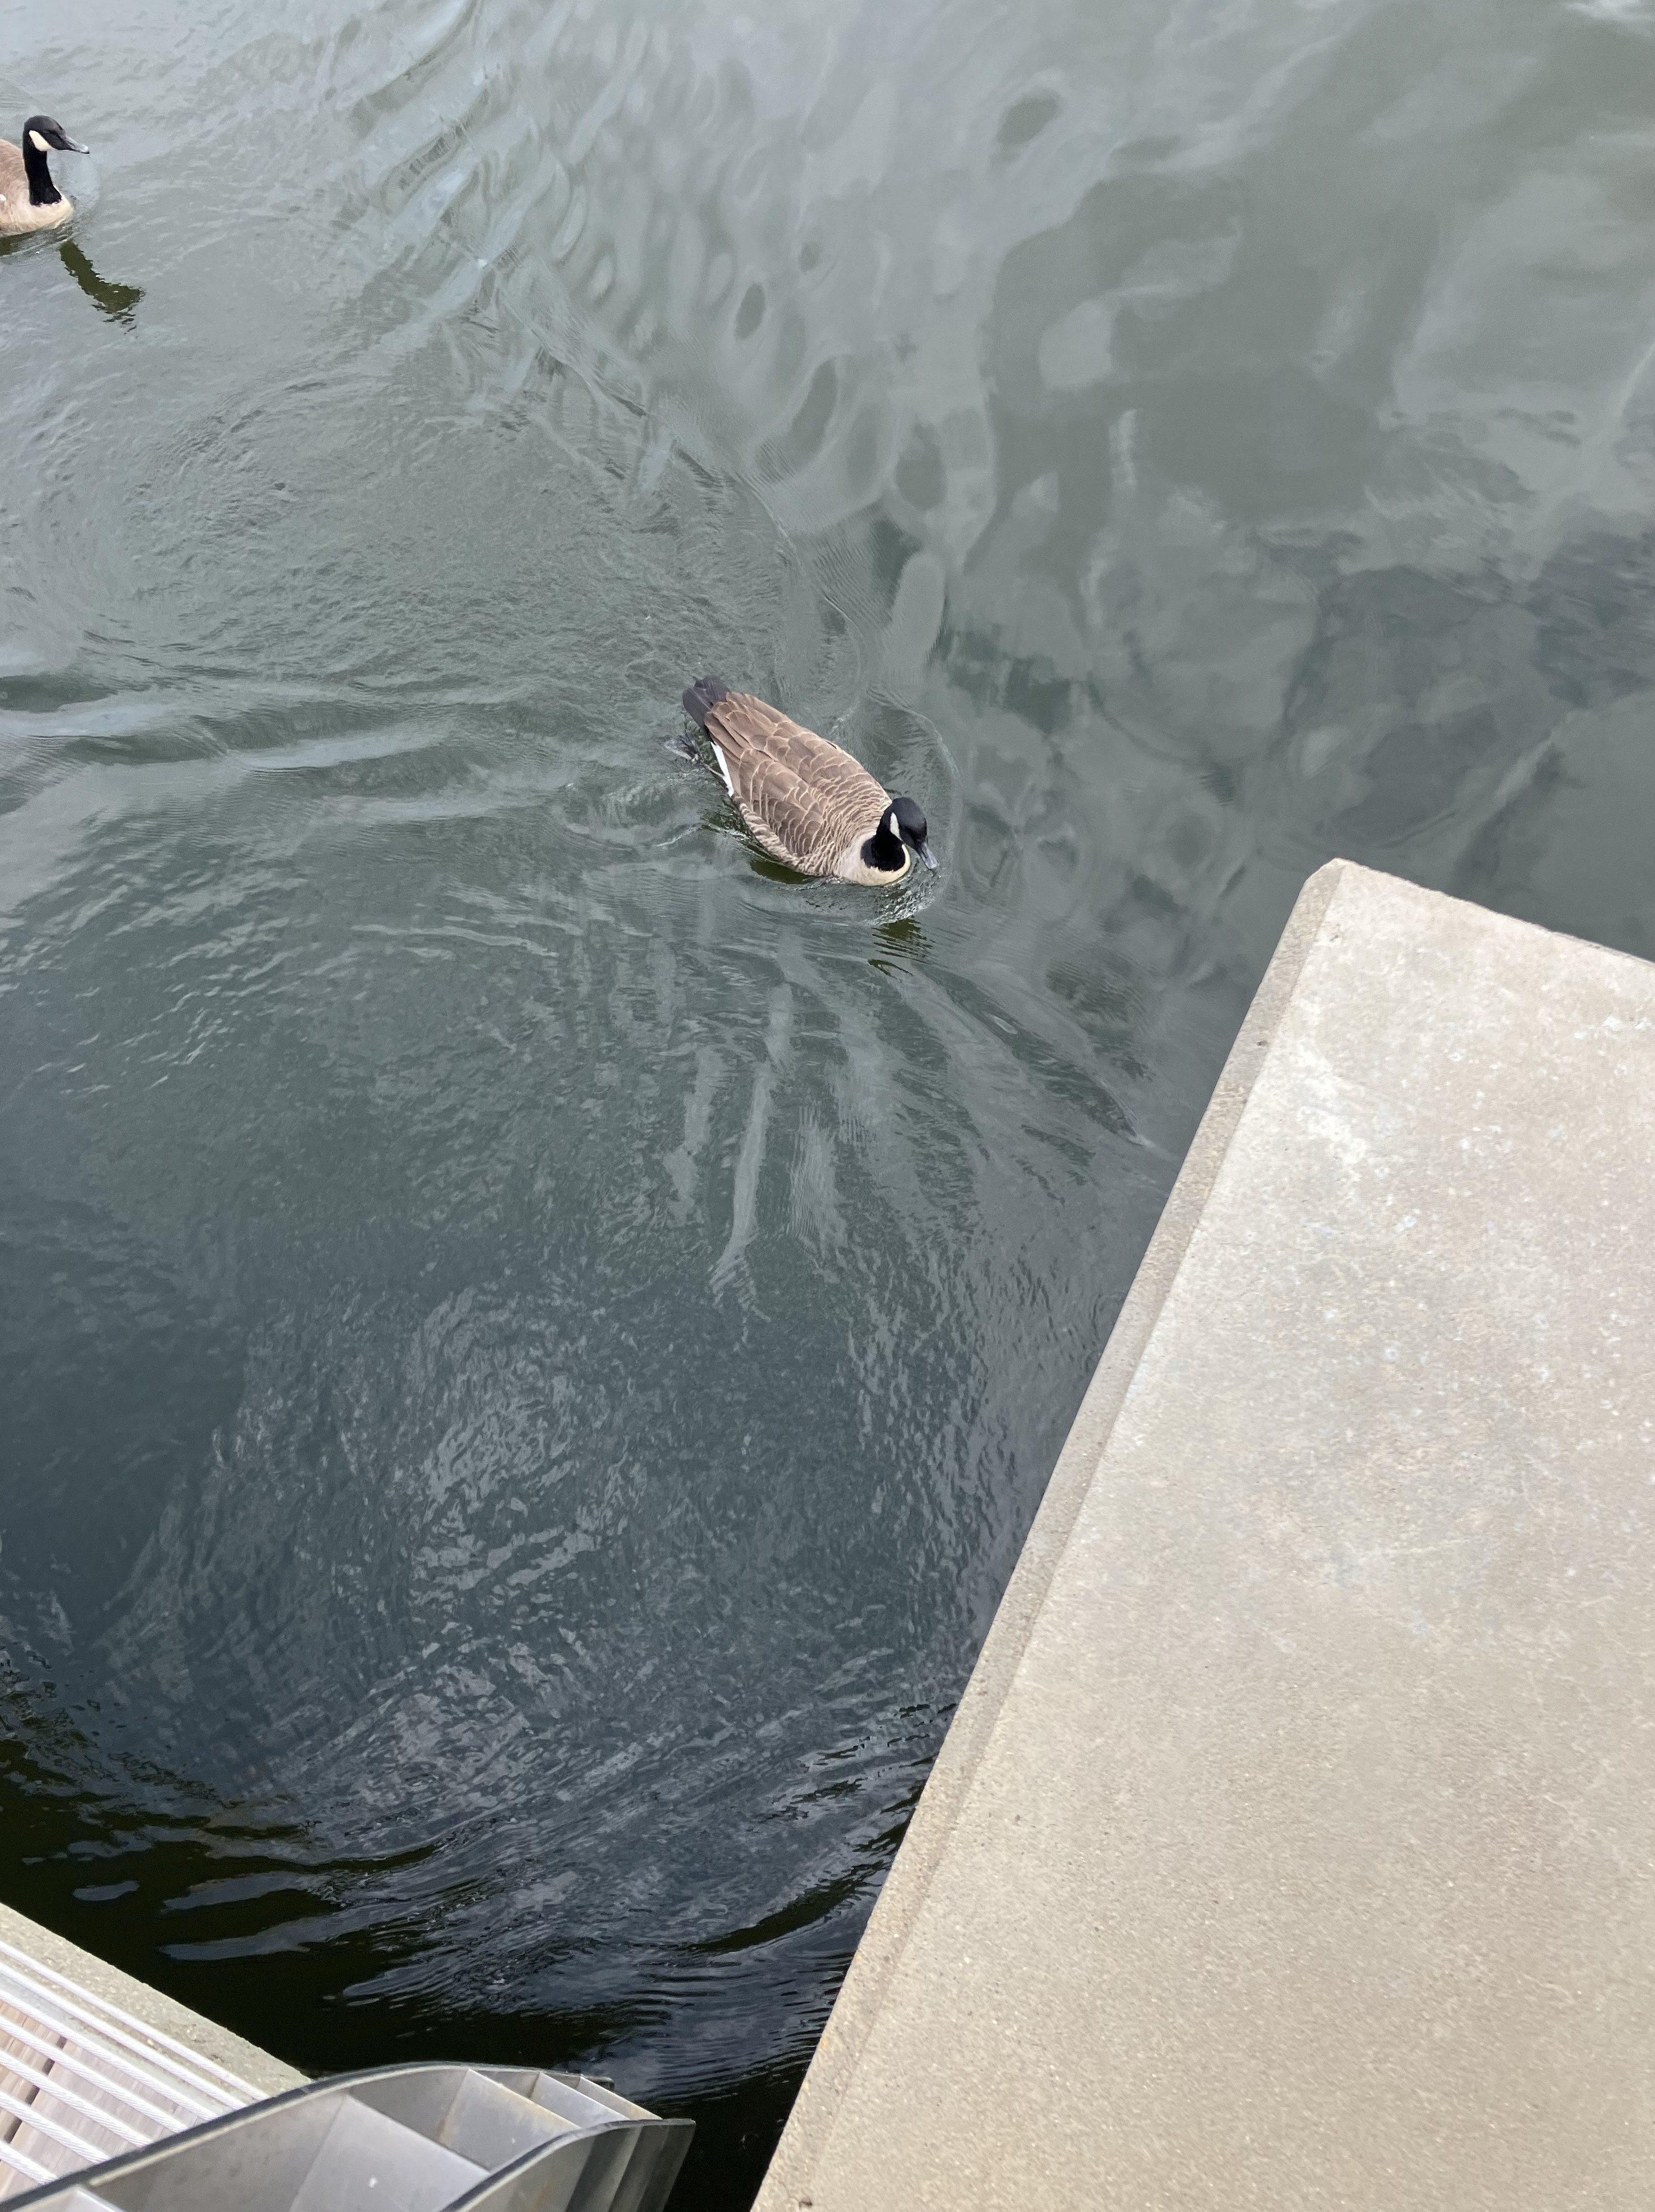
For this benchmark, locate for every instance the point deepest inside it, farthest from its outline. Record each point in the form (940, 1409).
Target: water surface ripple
(529, 1341)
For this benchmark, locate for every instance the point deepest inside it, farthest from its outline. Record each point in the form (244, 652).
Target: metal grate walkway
(81, 2081)
(99, 2111)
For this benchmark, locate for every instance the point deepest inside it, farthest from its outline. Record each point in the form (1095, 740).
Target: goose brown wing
(805, 798)
(14, 177)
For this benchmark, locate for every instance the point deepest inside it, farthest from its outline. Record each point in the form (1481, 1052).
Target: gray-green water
(528, 1343)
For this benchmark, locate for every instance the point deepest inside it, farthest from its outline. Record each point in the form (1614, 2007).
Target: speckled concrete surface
(1292, 1846)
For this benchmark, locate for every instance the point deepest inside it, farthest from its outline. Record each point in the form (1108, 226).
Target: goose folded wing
(784, 810)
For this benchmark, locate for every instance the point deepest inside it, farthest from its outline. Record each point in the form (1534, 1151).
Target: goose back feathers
(806, 800)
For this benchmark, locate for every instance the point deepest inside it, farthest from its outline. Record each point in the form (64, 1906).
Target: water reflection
(528, 1340)
(117, 302)
(902, 944)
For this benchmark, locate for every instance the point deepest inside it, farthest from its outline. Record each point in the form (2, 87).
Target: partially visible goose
(806, 802)
(28, 198)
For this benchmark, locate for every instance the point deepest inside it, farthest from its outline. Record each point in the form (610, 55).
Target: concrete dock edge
(786, 2184)
(1292, 1844)
(150, 2008)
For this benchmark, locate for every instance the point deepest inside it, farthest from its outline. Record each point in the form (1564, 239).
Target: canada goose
(806, 802)
(28, 198)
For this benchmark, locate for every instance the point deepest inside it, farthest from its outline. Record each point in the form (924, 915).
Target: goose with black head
(805, 799)
(29, 200)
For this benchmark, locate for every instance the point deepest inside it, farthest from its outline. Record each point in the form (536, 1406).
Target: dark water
(530, 1342)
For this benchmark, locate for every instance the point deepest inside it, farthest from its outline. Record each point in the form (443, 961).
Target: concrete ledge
(162, 2015)
(1292, 1844)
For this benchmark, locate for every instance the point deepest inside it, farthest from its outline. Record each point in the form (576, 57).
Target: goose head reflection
(117, 302)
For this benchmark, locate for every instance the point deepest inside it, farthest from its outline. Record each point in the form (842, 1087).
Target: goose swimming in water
(806, 802)
(28, 198)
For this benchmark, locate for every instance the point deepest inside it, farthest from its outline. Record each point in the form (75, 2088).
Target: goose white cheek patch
(37, 143)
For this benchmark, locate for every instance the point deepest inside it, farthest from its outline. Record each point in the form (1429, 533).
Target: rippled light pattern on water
(529, 1340)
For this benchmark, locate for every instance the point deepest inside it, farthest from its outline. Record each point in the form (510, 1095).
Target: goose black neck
(885, 852)
(41, 190)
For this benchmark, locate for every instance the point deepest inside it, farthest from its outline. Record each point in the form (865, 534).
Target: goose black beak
(927, 855)
(73, 146)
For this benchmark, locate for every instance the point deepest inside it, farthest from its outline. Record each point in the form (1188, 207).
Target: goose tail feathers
(702, 697)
